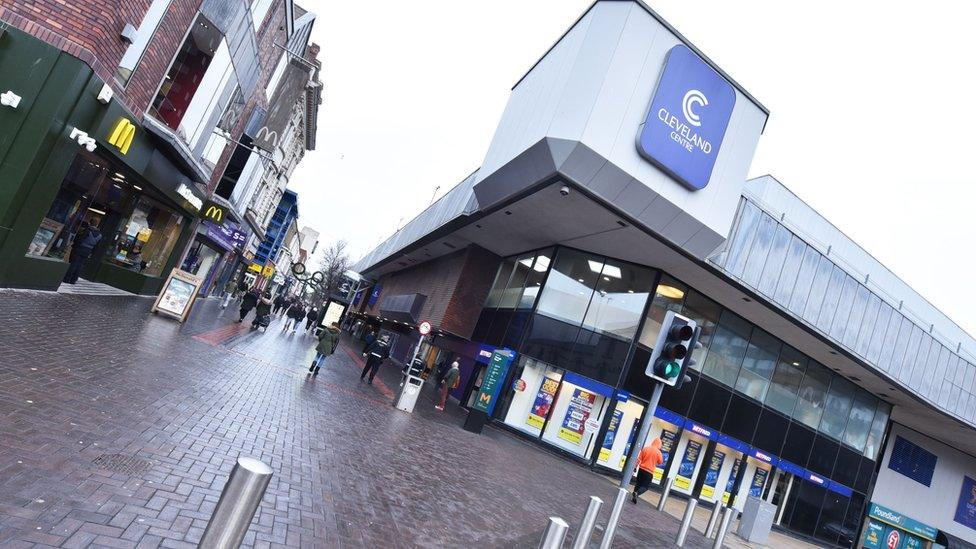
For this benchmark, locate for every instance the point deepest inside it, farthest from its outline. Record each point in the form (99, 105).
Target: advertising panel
(494, 379)
(543, 401)
(966, 508)
(900, 521)
(669, 439)
(177, 295)
(687, 468)
(574, 422)
(730, 484)
(758, 481)
(611, 435)
(711, 475)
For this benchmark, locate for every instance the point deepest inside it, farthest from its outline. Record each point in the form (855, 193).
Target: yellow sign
(213, 212)
(254, 267)
(122, 135)
(268, 271)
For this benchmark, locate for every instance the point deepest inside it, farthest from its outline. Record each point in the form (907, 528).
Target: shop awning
(176, 150)
(403, 308)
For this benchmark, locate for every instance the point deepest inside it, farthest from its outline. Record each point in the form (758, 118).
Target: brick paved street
(118, 428)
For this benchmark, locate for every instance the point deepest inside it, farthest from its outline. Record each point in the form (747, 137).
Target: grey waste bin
(757, 520)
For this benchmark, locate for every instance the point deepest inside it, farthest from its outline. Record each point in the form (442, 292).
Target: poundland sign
(686, 122)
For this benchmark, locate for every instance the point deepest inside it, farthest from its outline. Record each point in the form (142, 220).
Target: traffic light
(672, 352)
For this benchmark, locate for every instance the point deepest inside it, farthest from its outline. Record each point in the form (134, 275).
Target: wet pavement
(118, 428)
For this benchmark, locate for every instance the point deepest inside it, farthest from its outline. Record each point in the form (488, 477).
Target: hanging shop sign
(268, 271)
(290, 89)
(711, 475)
(686, 122)
(213, 212)
(687, 468)
(966, 508)
(669, 439)
(177, 295)
(495, 375)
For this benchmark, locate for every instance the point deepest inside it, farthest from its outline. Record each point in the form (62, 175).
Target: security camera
(564, 190)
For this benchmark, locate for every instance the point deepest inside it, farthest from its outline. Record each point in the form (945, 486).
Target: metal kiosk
(410, 387)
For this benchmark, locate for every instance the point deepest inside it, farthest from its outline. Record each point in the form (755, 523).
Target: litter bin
(757, 520)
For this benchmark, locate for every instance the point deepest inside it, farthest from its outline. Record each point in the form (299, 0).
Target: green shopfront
(50, 182)
(889, 529)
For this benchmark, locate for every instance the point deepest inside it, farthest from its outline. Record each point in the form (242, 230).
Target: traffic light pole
(639, 441)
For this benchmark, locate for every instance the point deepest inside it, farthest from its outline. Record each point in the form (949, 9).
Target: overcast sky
(873, 106)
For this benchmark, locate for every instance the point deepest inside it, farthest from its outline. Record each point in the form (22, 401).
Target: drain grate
(121, 463)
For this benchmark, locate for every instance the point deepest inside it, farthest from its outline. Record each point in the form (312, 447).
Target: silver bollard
(686, 522)
(713, 520)
(618, 505)
(589, 521)
(555, 534)
(664, 494)
(724, 528)
(237, 504)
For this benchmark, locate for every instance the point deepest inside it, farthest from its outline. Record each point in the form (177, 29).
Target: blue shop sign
(698, 429)
(622, 396)
(588, 384)
(687, 119)
(733, 443)
(764, 456)
(374, 295)
(792, 468)
(894, 518)
(669, 416)
(840, 489)
(484, 353)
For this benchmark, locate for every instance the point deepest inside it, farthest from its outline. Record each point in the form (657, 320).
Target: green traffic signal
(668, 368)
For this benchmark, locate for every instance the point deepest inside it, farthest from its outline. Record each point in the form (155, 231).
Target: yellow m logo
(122, 135)
(215, 213)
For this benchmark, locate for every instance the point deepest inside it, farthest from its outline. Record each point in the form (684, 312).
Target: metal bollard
(555, 534)
(589, 521)
(724, 528)
(237, 504)
(686, 521)
(713, 520)
(664, 494)
(618, 505)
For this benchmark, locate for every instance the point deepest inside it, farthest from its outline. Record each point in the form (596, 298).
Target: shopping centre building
(615, 190)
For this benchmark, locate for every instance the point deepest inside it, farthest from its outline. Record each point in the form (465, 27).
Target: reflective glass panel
(735, 262)
(804, 281)
(759, 251)
(791, 268)
(813, 391)
(818, 289)
(878, 426)
(728, 348)
(859, 425)
(570, 286)
(621, 293)
(786, 380)
(758, 366)
(774, 263)
(837, 408)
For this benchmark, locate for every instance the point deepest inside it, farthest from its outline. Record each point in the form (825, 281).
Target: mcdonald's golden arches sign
(122, 134)
(213, 212)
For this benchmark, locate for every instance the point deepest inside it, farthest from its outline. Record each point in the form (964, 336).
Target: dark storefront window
(837, 408)
(786, 380)
(758, 366)
(146, 239)
(859, 424)
(876, 434)
(813, 392)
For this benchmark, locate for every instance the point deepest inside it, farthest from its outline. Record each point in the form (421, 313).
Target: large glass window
(577, 414)
(146, 239)
(791, 269)
(72, 205)
(669, 297)
(774, 263)
(735, 262)
(186, 73)
(728, 348)
(501, 282)
(804, 280)
(706, 313)
(532, 396)
(758, 366)
(133, 54)
(837, 408)
(759, 251)
(812, 394)
(513, 292)
(786, 380)
(533, 280)
(570, 286)
(876, 434)
(617, 305)
(859, 423)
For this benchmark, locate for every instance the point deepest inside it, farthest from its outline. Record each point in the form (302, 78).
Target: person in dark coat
(376, 353)
(82, 247)
(263, 309)
(296, 313)
(328, 341)
(369, 338)
(279, 303)
(311, 318)
(248, 302)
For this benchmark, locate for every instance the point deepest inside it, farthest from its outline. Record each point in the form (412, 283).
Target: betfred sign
(686, 122)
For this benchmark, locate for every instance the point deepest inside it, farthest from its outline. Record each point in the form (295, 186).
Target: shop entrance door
(475, 385)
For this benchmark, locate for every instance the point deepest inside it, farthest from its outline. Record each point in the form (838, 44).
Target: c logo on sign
(692, 98)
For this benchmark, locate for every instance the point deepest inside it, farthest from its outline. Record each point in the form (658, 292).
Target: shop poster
(758, 481)
(711, 475)
(630, 442)
(730, 484)
(669, 439)
(611, 435)
(687, 468)
(966, 508)
(543, 401)
(177, 295)
(494, 378)
(874, 535)
(574, 422)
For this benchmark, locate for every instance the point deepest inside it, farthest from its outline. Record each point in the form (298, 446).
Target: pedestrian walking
(647, 460)
(248, 302)
(328, 341)
(451, 381)
(82, 247)
(295, 314)
(242, 288)
(262, 317)
(279, 303)
(229, 289)
(369, 338)
(312, 318)
(376, 353)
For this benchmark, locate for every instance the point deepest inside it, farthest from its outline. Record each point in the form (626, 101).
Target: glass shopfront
(139, 233)
(583, 326)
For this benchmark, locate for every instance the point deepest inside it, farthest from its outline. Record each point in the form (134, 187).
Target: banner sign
(494, 379)
(630, 442)
(711, 475)
(687, 468)
(177, 295)
(687, 119)
(290, 90)
(758, 481)
(669, 439)
(873, 536)
(543, 400)
(574, 422)
(374, 295)
(893, 518)
(966, 508)
(611, 435)
(730, 484)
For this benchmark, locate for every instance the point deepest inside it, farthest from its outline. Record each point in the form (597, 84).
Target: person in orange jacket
(647, 460)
